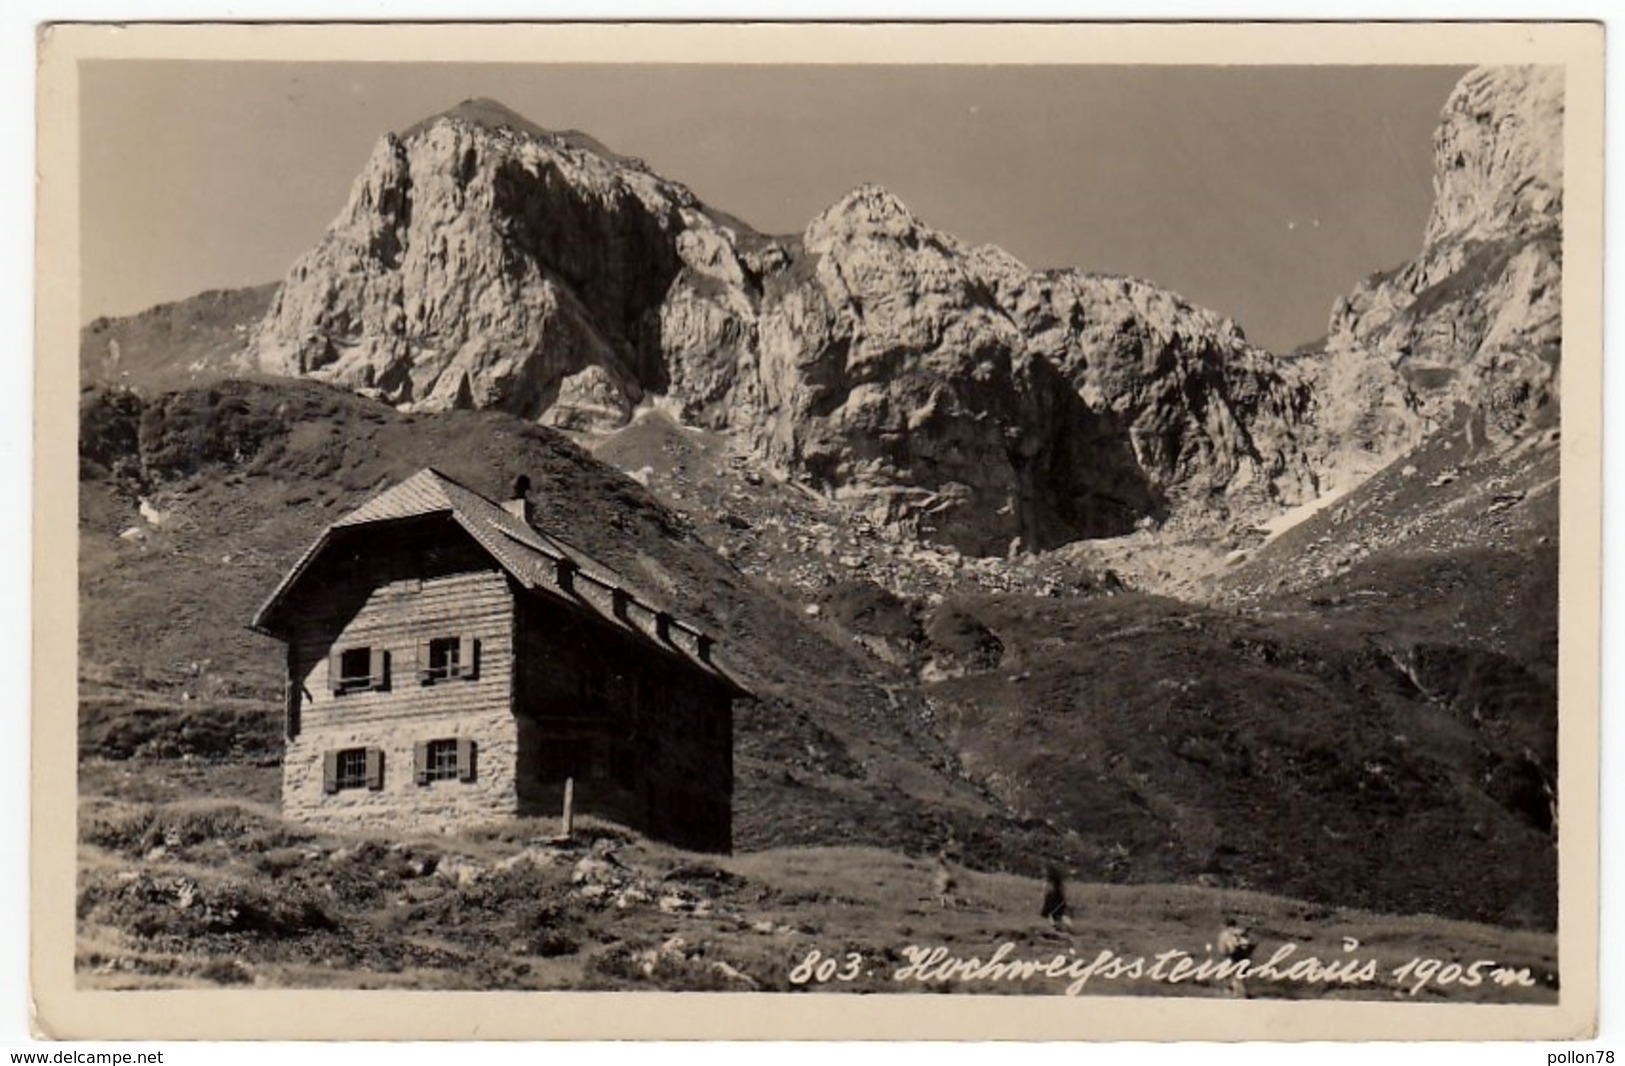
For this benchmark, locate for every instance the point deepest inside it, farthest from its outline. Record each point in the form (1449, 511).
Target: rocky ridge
(944, 392)
(484, 262)
(171, 344)
(1474, 322)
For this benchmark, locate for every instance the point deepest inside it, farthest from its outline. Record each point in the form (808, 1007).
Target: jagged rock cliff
(482, 261)
(1207, 413)
(1473, 324)
(888, 375)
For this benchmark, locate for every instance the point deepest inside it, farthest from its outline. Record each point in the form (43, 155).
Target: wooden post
(569, 806)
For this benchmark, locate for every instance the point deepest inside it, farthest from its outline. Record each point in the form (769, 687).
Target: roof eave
(262, 617)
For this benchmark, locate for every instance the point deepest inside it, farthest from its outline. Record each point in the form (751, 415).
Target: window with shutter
(445, 759)
(442, 761)
(358, 670)
(349, 768)
(444, 658)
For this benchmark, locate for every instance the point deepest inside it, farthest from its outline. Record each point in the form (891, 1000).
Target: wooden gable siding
(395, 595)
(398, 619)
(392, 594)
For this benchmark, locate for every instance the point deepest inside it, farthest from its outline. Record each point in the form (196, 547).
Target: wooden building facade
(448, 662)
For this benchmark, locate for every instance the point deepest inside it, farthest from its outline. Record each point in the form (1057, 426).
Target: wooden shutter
(468, 661)
(290, 707)
(291, 694)
(330, 771)
(335, 671)
(290, 716)
(378, 668)
(375, 768)
(422, 663)
(465, 759)
(420, 762)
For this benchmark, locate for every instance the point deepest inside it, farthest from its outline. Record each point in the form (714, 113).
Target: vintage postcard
(818, 531)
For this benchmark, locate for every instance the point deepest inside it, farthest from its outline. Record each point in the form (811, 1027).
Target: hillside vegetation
(173, 344)
(1127, 737)
(214, 891)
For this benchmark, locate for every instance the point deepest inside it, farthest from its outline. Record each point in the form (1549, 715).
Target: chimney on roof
(518, 503)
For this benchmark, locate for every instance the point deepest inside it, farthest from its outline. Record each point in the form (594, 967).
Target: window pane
(352, 768)
(355, 668)
(354, 662)
(442, 760)
(443, 657)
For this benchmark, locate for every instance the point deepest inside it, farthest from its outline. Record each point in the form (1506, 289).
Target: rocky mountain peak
(868, 210)
(944, 391)
(481, 260)
(482, 112)
(1498, 155)
(507, 125)
(1472, 327)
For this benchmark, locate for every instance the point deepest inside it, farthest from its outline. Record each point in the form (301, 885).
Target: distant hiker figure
(1055, 905)
(943, 882)
(1236, 945)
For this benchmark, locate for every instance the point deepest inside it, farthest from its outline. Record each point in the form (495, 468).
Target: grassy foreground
(208, 891)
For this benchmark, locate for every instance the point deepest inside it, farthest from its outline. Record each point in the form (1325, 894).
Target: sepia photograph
(1021, 513)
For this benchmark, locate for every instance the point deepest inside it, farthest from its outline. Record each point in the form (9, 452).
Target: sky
(1261, 192)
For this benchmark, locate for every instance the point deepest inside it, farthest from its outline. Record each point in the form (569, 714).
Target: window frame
(444, 661)
(348, 769)
(440, 760)
(464, 765)
(375, 675)
(448, 657)
(348, 680)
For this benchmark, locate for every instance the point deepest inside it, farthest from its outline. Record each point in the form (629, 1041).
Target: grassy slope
(247, 474)
(1386, 670)
(1280, 753)
(1454, 496)
(202, 892)
(173, 344)
(1126, 737)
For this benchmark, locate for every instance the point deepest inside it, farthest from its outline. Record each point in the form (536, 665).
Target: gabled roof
(536, 560)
